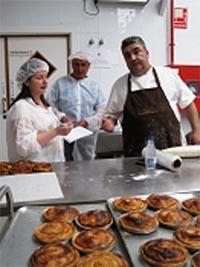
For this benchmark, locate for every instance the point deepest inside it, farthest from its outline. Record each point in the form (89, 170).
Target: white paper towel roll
(167, 160)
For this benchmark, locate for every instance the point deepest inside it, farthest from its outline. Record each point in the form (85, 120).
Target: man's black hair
(132, 40)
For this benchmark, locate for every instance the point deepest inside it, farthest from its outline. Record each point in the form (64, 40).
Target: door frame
(29, 35)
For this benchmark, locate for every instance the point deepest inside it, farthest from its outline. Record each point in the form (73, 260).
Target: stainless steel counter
(94, 181)
(104, 178)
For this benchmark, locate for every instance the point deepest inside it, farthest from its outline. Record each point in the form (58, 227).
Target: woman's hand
(64, 128)
(44, 138)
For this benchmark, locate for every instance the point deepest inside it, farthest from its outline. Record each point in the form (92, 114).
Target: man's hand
(65, 119)
(108, 124)
(193, 138)
(82, 123)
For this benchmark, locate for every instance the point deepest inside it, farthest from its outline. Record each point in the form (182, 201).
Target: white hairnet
(82, 55)
(29, 68)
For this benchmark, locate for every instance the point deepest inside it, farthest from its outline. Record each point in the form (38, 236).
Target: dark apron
(147, 111)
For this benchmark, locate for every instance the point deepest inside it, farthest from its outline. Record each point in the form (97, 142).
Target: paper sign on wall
(180, 18)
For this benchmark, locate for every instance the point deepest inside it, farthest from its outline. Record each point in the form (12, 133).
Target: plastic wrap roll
(167, 160)
(190, 151)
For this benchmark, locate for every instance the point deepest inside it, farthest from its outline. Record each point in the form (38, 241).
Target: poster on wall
(102, 58)
(180, 18)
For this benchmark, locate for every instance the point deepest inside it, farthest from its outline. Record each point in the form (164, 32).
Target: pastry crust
(54, 232)
(94, 218)
(197, 220)
(138, 222)
(102, 259)
(164, 253)
(174, 218)
(42, 167)
(192, 205)
(23, 166)
(162, 201)
(129, 203)
(188, 236)
(60, 213)
(58, 255)
(195, 261)
(5, 168)
(94, 239)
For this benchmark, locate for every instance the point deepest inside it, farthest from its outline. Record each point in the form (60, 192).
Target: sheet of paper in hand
(77, 133)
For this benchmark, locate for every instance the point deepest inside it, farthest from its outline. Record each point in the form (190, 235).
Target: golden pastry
(162, 201)
(192, 205)
(42, 167)
(129, 203)
(188, 236)
(55, 255)
(5, 168)
(22, 167)
(54, 231)
(164, 253)
(195, 261)
(94, 239)
(103, 259)
(94, 218)
(174, 218)
(197, 220)
(138, 222)
(60, 213)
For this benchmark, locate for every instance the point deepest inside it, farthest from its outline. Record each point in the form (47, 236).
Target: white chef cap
(29, 68)
(82, 55)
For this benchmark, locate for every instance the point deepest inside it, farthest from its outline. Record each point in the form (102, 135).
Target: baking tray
(18, 243)
(132, 242)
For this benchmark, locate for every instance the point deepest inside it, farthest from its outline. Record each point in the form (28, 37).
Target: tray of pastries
(24, 167)
(72, 235)
(160, 229)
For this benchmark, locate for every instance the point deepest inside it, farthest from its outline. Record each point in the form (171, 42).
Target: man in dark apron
(147, 110)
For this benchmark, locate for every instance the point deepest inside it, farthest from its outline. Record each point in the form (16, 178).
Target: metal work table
(90, 183)
(104, 178)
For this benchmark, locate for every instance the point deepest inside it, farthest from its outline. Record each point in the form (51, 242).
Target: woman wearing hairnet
(34, 129)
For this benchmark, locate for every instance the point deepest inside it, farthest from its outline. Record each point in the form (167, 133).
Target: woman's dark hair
(25, 93)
